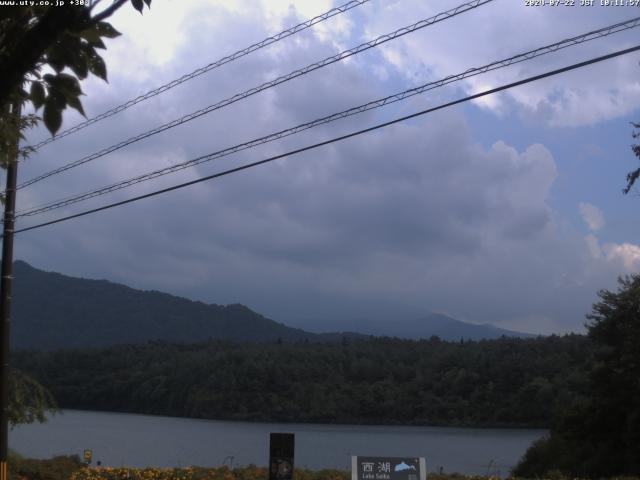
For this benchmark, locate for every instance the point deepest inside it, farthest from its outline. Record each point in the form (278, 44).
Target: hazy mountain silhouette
(427, 325)
(52, 311)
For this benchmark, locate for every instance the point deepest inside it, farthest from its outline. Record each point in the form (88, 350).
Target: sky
(505, 210)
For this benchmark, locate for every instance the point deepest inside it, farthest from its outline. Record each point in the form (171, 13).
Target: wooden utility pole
(5, 287)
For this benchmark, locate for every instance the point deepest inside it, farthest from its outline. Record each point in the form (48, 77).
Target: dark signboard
(281, 453)
(388, 468)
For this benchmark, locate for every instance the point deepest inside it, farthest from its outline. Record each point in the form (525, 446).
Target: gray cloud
(592, 216)
(415, 217)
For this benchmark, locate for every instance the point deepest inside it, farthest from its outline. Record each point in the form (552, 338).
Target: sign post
(281, 454)
(388, 468)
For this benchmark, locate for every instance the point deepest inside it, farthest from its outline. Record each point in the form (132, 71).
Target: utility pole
(5, 287)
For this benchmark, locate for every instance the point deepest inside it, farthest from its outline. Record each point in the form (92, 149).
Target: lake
(144, 440)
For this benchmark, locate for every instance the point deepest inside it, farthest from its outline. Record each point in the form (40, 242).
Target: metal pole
(5, 292)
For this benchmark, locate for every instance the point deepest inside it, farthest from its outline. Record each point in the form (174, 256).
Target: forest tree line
(506, 382)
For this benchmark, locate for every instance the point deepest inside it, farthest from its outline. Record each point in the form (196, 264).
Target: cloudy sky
(505, 210)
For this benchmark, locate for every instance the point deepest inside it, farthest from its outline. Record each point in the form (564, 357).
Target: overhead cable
(521, 57)
(337, 139)
(207, 68)
(285, 78)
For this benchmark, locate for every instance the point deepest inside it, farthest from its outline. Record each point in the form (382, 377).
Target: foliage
(552, 453)
(9, 126)
(45, 50)
(54, 311)
(633, 175)
(600, 436)
(505, 382)
(57, 468)
(63, 42)
(28, 399)
(71, 468)
(188, 473)
(250, 472)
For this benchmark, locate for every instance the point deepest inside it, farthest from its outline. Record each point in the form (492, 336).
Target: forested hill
(505, 382)
(52, 311)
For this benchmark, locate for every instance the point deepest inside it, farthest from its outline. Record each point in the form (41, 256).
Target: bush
(56, 468)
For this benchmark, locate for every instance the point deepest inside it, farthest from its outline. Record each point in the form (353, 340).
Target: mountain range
(54, 311)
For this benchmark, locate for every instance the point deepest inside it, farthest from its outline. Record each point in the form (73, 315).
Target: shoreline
(312, 424)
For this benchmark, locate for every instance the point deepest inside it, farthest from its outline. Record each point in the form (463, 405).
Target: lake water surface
(144, 440)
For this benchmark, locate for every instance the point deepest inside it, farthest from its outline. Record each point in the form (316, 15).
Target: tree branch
(107, 12)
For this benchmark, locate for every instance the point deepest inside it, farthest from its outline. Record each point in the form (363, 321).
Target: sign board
(86, 455)
(388, 468)
(281, 454)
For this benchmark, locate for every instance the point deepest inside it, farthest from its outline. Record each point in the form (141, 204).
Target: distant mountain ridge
(432, 324)
(54, 311)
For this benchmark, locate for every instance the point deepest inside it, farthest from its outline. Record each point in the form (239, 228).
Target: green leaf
(58, 98)
(68, 84)
(68, 46)
(138, 5)
(105, 29)
(55, 60)
(74, 102)
(98, 44)
(98, 67)
(80, 65)
(52, 115)
(37, 95)
(90, 34)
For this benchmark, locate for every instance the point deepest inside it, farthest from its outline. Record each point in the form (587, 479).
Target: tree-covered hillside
(598, 434)
(506, 382)
(54, 311)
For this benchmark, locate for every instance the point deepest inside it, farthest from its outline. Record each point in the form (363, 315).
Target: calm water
(142, 440)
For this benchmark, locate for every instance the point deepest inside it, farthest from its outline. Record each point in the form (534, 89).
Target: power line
(207, 68)
(285, 78)
(340, 138)
(521, 57)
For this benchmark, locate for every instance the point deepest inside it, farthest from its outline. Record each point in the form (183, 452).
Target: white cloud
(501, 29)
(593, 245)
(628, 253)
(592, 216)
(625, 255)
